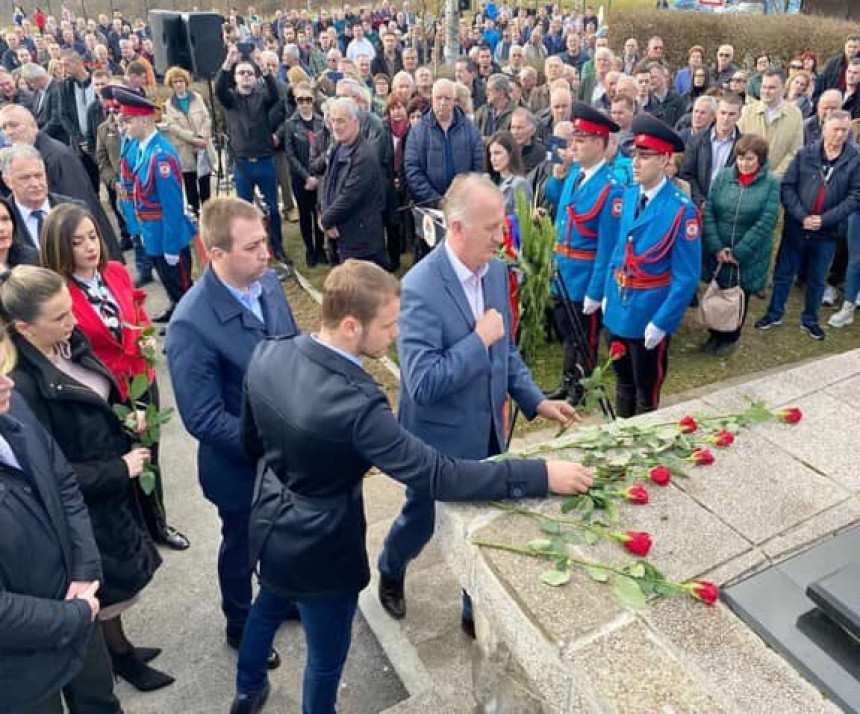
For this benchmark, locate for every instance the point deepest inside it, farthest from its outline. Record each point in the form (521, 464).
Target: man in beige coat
(778, 121)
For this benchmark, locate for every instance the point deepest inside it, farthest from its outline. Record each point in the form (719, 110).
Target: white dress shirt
(31, 222)
(469, 281)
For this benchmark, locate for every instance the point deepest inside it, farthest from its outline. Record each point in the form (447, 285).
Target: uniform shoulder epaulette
(682, 197)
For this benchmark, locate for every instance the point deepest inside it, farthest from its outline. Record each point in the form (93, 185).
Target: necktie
(643, 201)
(579, 181)
(39, 215)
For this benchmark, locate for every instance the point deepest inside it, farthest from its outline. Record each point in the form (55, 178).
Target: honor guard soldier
(654, 268)
(589, 198)
(157, 196)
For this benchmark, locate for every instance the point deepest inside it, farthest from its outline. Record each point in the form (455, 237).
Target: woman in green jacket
(739, 218)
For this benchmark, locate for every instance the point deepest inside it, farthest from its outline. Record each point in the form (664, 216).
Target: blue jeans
(328, 634)
(234, 569)
(261, 172)
(852, 272)
(817, 255)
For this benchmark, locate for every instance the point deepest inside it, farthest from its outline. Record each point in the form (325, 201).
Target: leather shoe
(147, 654)
(272, 662)
(391, 596)
(164, 316)
(250, 703)
(172, 538)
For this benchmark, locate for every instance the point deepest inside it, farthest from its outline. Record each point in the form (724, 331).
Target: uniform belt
(642, 283)
(569, 252)
(326, 503)
(149, 215)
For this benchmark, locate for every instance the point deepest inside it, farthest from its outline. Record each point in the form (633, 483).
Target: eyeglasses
(795, 66)
(244, 72)
(305, 100)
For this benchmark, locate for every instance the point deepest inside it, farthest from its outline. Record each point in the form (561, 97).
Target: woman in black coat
(398, 221)
(72, 394)
(15, 247)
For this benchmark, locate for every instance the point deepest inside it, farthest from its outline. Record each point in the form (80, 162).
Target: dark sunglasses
(244, 71)
(305, 100)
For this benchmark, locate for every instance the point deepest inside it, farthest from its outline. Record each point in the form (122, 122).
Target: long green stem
(546, 555)
(537, 515)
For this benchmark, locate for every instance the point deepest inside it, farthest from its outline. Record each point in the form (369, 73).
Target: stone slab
(632, 671)
(751, 676)
(823, 525)
(759, 489)
(847, 391)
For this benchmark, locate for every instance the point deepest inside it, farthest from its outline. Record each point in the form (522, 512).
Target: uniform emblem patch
(616, 207)
(164, 169)
(691, 231)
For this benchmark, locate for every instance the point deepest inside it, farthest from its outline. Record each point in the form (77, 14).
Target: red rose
(637, 542)
(660, 475)
(792, 415)
(722, 438)
(702, 457)
(617, 350)
(636, 494)
(687, 425)
(704, 590)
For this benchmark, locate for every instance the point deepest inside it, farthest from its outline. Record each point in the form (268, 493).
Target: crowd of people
(656, 178)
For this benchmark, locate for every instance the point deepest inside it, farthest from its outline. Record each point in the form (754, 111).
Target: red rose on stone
(617, 350)
(702, 457)
(722, 438)
(637, 542)
(792, 415)
(687, 425)
(660, 475)
(703, 590)
(636, 494)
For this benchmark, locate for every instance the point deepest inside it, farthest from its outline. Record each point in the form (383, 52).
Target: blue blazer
(210, 340)
(452, 387)
(654, 280)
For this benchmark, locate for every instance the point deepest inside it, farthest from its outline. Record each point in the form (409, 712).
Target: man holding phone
(245, 101)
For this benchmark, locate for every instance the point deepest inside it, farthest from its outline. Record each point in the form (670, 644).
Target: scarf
(103, 303)
(398, 131)
(746, 180)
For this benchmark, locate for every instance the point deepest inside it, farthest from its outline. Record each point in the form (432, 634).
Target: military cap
(588, 120)
(655, 135)
(133, 104)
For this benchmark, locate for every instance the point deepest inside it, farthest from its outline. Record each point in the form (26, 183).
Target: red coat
(125, 360)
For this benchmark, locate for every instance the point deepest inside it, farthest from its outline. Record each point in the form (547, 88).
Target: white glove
(603, 305)
(171, 259)
(589, 306)
(653, 336)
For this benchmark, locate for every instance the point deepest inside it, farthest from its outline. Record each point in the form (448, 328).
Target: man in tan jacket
(778, 121)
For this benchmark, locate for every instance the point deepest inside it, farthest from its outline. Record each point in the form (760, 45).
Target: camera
(246, 49)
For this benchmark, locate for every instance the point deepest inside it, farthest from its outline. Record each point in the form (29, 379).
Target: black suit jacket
(54, 199)
(70, 112)
(43, 637)
(697, 165)
(67, 176)
(48, 109)
(316, 435)
(352, 200)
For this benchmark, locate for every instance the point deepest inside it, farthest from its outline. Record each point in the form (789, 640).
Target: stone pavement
(180, 612)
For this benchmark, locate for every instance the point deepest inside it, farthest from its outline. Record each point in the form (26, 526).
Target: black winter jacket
(92, 438)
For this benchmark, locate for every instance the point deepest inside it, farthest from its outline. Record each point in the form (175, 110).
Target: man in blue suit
(653, 271)
(458, 363)
(214, 330)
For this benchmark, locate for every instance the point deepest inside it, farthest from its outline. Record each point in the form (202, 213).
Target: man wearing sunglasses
(246, 100)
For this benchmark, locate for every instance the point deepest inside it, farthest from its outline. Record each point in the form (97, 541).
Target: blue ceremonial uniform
(586, 227)
(158, 200)
(655, 265)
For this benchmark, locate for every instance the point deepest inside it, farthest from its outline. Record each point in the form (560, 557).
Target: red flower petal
(660, 475)
(702, 457)
(617, 350)
(637, 542)
(705, 591)
(636, 494)
(687, 425)
(722, 438)
(792, 415)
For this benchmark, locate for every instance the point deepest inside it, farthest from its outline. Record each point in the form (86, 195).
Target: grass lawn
(689, 368)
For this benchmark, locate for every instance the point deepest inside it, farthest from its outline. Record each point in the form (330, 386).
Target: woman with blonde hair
(798, 90)
(189, 127)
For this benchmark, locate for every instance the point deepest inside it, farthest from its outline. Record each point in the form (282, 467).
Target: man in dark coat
(833, 74)
(210, 338)
(352, 197)
(318, 433)
(49, 572)
(47, 101)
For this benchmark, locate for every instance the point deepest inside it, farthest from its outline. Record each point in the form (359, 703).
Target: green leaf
(598, 574)
(627, 590)
(572, 537)
(550, 527)
(612, 512)
(570, 504)
(585, 507)
(138, 387)
(555, 578)
(540, 545)
(590, 537)
(122, 411)
(147, 481)
(636, 570)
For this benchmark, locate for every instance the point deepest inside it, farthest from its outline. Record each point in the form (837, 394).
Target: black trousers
(198, 189)
(123, 229)
(306, 201)
(91, 168)
(176, 279)
(579, 358)
(640, 375)
(91, 691)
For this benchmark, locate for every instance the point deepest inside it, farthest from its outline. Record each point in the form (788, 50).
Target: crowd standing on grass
(656, 178)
